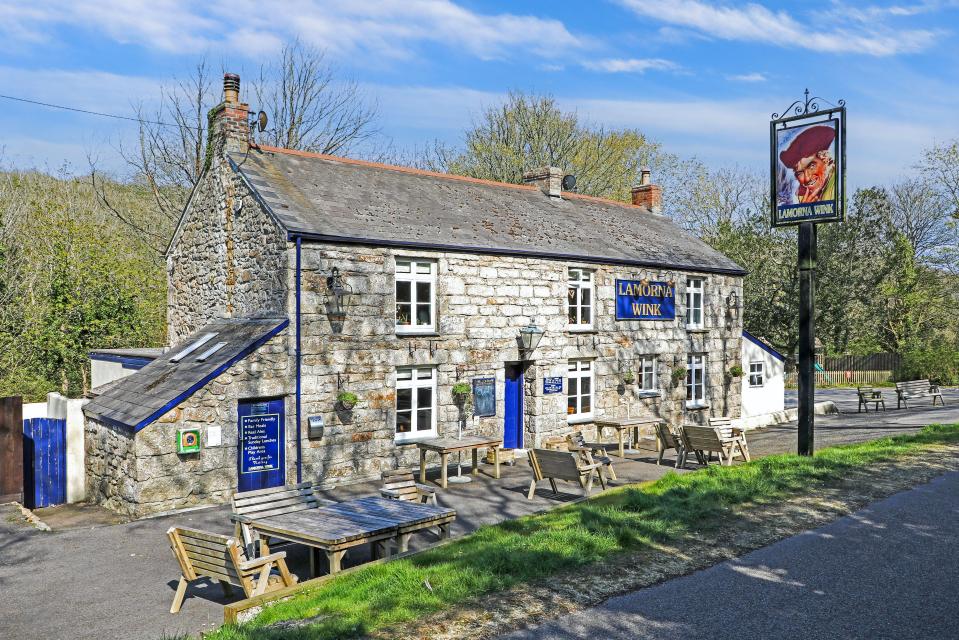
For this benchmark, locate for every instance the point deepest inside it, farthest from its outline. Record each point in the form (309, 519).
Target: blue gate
(44, 462)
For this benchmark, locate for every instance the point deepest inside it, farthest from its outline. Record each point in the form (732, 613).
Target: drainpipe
(299, 420)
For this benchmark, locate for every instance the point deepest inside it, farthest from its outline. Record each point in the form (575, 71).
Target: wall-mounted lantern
(732, 309)
(529, 337)
(340, 290)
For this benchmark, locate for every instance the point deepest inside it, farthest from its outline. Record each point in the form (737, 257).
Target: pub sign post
(807, 162)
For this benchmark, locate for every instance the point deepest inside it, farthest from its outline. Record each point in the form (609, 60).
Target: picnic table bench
(706, 440)
(906, 391)
(446, 446)
(869, 395)
(553, 465)
(624, 426)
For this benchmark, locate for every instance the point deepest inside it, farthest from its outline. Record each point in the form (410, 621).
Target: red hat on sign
(808, 143)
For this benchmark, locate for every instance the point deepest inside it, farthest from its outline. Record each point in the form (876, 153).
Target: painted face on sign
(812, 173)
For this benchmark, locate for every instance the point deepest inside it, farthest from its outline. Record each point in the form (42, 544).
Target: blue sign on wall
(260, 435)
(645, 300)
(553, 385)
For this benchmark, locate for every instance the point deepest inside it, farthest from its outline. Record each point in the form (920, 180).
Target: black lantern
(732, 309)
(529, 337)
(340, 290)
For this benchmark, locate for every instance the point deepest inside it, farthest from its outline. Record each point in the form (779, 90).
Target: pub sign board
(807, 166)
(260, 435)
(484, 397)
(552, 384)
(645, 300)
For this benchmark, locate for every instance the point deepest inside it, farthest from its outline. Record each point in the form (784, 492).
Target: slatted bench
(710, 440)
(666, 439)
(906, 391)
(400, 485)
(263, 503)
(577, 443)
(869, 395)
(728, 432)
(208, 555)
(563, 465)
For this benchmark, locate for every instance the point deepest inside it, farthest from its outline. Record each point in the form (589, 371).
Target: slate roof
(130, 352)
(137, 400)
(340, 200)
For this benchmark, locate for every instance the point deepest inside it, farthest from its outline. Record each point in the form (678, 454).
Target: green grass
(532, 548)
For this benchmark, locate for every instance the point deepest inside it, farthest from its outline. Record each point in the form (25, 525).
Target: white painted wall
(768, 398)
(61, 408)
(104, 371)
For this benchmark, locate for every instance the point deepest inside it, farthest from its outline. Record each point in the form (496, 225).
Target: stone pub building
(297, 279)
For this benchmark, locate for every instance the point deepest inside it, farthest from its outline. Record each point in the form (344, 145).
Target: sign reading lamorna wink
(807, 163)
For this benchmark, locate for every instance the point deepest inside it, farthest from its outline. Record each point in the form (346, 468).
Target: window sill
(582, 419)
(575, 329)
(650, 394)
(697, 406)
(756, 386)
(412, 441)
(417, 334)
(697, 330)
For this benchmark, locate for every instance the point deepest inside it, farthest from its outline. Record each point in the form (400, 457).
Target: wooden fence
(11, 449)
(852, 370)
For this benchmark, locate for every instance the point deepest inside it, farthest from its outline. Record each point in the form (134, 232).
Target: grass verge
(529, 550)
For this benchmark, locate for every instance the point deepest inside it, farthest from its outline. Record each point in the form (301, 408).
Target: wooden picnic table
(446, 446)
(622, 426)
(336, 528)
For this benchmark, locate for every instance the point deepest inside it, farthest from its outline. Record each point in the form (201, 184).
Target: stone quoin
(435, 276)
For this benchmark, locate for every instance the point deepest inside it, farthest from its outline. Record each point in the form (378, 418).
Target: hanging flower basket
(346, 400)
(629, 377)
(463, 396)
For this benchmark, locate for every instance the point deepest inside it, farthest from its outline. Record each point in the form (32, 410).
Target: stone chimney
(646, 195)
(548, 179)
(229, 124)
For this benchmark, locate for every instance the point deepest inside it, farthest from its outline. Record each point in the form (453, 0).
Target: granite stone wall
(110, 463)
(228, 258)
(483, 301)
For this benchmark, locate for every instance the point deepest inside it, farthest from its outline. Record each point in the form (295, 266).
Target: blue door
(44, 462)
(261, 454)
(513, 398)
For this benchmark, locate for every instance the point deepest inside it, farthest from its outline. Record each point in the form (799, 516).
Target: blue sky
(700, 77)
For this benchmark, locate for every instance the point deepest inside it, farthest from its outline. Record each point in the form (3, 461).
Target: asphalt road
(888, 571)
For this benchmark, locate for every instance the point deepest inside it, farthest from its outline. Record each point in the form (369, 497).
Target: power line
(92, 113)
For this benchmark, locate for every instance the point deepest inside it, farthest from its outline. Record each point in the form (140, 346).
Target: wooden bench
(728, 432)
(666, 439)
(906, 391)
(562, 465)
(710, 440)
(208, 555)
(867, 395)
(262, 503)
(400, 485)
(577, 443)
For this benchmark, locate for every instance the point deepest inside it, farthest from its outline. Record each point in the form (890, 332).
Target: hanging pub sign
(645, 300)
(807, 163)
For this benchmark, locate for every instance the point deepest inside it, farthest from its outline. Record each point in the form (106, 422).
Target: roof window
(209, 352)
(202, 340)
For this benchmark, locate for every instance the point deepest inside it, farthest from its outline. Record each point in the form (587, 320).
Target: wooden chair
(208, 555)
(576, 443)
(555, 443)
(401, 485)
(563, 465)
(728, 432)
(906, 391)
(262, 503)
(709, 440)
(867, 395)
(666, 439)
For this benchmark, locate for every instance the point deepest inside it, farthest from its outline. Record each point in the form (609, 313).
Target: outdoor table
(446, 446)
(622, 426)
(337, 527)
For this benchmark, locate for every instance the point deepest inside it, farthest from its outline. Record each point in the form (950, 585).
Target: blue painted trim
(299, 440)
(762, 345)
(203, 382)
(128, 362)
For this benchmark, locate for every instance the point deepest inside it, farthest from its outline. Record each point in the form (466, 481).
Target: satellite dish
(261, 121)
(569, 183)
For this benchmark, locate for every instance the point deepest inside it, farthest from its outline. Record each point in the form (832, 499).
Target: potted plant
(463, 395)
(678, 375)
(629, 377)
(735, 371)
(346, 400)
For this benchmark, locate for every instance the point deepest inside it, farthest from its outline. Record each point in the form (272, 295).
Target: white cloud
(391, 28)
(755, 76)
(631, 65)
(755, 23)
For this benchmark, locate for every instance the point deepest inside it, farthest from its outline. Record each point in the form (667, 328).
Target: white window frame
(414, 278)
(580, 369)
(696, 380)
(757, 369)
(576, 283)
(695, 297)
(416, 381)
(648, 364)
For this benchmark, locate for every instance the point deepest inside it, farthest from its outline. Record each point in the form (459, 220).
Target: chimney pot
(230, 124)
(548, 179)
(647, 195)
(231, 88)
